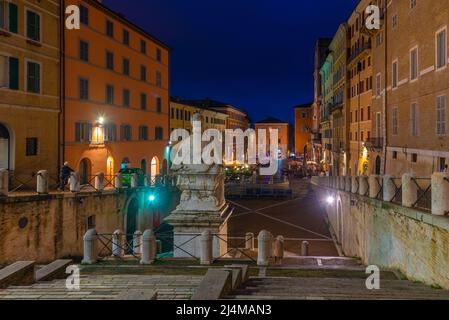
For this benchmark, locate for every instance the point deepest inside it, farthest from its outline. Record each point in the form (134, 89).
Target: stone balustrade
(386, 189)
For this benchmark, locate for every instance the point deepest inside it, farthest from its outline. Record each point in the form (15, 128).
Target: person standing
(64, 175)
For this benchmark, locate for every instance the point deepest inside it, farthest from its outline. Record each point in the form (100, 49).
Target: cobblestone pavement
(298, 219)
(107, 287)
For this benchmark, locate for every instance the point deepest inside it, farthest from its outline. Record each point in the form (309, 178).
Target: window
(158, 55)
(84, 51)
(414, 119)
(8, 16)
(395, 154)
(84, 14)
(110, 132)
(441, 47)
(414, 64)
(442, 164)
(31, 147)
(143, 133)
(441, 115)
(126, 99)
(91, 222)
(143, 46)
(412, 4)
(395, 74)
(33, 77)
(143, 73)
(158, 79)
(83, 132)
(126, 37)
(378, 125)
(125, 132)
(379, 39)
(394, 20)
(9, 72)
(368, 113)
(109, 60)
(414, 157)
(109, 94)
(159, 106)
(172, 113)
(126, 67)
(395, 120)
(83, 89)
(109, 28)
(33, 25)
(159, 133)
(378, 84)
(143, 101)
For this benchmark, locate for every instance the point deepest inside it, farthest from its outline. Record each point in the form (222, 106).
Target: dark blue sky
(255, 54)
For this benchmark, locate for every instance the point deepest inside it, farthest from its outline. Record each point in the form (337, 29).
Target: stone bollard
(389, 188)
(440, 193)
(137, 242)
(354, 184)
(409, 190)
(374, 182)
(263, 248)
(74, 182)
(42, 182)
(348, 184)
(279, 249)
(206, 257)
(118, 249)
(118, 181)
(90, 247)
(249, 241)
(305, 248)
(148, 247)
(134, 180)
(363, 185)
(99, 181)
(4, 182)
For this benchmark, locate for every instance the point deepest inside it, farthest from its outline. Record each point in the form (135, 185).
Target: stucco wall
(57, 223)
(391, 236)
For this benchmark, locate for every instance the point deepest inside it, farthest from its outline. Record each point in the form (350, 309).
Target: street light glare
(151, 198)
(330, 200)
(101, 120)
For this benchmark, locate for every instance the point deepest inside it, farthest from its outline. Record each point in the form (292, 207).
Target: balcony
(374, 143)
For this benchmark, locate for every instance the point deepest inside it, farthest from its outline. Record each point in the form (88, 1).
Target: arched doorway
(378, 164)
(143, 166)
(110, 167)
(5, 148)
(154, 168)
(131, 221)
(85, 170)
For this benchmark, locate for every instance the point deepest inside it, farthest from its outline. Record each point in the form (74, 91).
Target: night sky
(254, 54)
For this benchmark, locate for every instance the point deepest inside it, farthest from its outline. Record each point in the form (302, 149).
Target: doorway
(5, 148)
(85, 169)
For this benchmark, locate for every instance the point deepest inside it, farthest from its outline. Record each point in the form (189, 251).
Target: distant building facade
(181, 113)
(29, 89)
(303, 130)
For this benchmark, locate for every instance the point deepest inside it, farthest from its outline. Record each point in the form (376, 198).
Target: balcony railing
(359, 51)
(374, 143)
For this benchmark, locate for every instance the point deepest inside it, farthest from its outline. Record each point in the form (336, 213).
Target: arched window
(143, 166)
(154, 168)
(85, 171)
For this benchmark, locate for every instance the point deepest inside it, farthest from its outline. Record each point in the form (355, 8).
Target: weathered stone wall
(392, 236)
(47, 227)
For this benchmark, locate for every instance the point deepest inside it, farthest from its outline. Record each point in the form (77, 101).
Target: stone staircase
(333, 279)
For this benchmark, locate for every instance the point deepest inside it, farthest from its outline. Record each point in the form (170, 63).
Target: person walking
(64, 175)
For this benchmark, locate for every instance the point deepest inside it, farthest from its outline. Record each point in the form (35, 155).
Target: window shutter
(12, 17)
(89, 126)
(77, 132)
(13, 73)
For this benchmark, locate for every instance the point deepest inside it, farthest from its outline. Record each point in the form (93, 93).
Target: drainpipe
(61, 120)
(385, 123)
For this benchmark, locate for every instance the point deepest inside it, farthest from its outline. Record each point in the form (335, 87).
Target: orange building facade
(283, 134)
(303, 129)
(116, 102)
